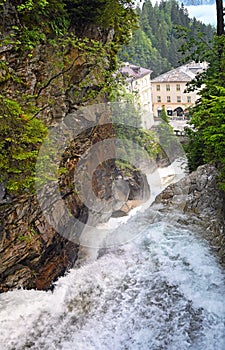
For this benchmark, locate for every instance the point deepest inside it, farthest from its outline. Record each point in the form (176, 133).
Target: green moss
(4, 72)
(56, 24)
(20, 138)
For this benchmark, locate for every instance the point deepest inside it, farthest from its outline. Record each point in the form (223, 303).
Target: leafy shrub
(20, 138)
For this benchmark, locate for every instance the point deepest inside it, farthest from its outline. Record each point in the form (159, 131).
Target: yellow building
(168, 89)
(138, 80)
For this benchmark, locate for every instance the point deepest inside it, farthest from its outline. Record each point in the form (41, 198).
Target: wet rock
(32, 252)
(121, 191)
(29, 246)
(119, 213)
(2, 191)
(198, 202)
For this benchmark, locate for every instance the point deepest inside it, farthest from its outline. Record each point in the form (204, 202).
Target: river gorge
(163, 289)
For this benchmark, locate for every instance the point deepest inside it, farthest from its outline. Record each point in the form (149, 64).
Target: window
(168, 99)
(188, 99)
(158, 98)
(178, 99)
(178, 87)
(170, 112)
(157, 87)
(167, 87)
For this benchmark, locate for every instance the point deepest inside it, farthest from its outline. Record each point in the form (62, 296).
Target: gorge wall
(197, 202)
(50, 77)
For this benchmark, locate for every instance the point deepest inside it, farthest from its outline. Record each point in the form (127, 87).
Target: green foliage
(57, 17)
(197, 44)
(207, 141)
(59, 24)
(157, 43)
(43, 16)
(29, 39)
(194, 149)
(56, 25)
(29, 236)
(169, 144)
(164, 116)
(107, 13)
(4, 72)
(143, 139)
(123, 165)
(30, 5)
(25, 238)
(20, 137)
(141, 51)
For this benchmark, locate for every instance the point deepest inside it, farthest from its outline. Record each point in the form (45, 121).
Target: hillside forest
(166, 38)
(157, 43)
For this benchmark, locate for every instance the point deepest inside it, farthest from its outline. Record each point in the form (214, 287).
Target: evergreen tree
(164, 115)
(159, 24)
(207, 139)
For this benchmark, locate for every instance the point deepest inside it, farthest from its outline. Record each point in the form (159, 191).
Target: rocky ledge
(196, 200)
(32, 253)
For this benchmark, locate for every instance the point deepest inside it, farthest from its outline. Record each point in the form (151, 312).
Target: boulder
(197, 200)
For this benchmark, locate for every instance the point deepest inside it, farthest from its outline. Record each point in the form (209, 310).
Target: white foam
(162, 290)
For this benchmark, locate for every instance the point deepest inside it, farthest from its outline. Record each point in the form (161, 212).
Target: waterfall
(162, 290)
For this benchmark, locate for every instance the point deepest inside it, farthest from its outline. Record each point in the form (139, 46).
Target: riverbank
(200, 202)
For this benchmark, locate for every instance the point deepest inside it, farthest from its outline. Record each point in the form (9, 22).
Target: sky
(204, 13)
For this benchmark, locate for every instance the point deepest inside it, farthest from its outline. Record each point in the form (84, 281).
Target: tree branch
(56, 76)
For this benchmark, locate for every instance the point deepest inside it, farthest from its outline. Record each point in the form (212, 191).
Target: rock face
(46, 84)
(32, 252)
(133, 190)
(198, 198)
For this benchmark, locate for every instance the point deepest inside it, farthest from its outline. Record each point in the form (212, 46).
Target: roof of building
(133, 72)
(184, 73)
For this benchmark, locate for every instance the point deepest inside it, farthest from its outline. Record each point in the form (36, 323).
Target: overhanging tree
(207, 140)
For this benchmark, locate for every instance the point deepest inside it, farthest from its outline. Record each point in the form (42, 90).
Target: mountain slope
(156, 44)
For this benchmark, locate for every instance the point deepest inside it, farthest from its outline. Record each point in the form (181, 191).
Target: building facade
(168, 90)
(138, 83)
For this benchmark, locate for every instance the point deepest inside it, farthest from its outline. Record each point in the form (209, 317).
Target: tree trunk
(220, 18)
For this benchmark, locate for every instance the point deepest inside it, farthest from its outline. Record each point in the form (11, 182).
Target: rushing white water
(163, 290)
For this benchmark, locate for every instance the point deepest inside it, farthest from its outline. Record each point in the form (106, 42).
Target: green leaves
(81, 68)
(165, 36)
(20, 138)
(164, 115)
(207, 141)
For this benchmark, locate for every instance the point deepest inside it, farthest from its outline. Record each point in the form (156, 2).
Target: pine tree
(159, 24)
(207, 139)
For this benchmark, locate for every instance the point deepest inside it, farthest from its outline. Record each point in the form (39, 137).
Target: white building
(138, 81)
(168, 89)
